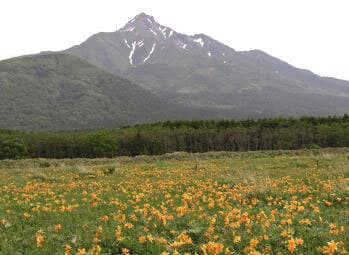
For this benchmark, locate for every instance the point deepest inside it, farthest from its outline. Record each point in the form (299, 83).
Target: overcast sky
(310, 34)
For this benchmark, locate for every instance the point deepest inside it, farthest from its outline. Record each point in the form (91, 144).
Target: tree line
(171, 136)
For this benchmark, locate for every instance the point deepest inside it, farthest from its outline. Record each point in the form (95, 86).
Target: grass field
(214, 203)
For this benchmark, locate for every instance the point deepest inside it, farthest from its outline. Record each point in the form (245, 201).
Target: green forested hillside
(63, 92)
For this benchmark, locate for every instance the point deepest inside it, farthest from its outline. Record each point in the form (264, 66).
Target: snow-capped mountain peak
(145, 37)
(201, 71)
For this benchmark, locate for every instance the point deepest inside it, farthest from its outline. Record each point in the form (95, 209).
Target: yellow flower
(81, 251)
(185, 239)
(118, 234)
(142, 239)
(212, 248)
(40, 238)
(26, 216)
(181, 211)
(237, 239)
(96, 250)
(150, 238)
(58, 228)
(305, 222)
(67, 249)
(125, 251)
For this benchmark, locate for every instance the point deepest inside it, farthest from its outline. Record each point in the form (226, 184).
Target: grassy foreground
(213, 203)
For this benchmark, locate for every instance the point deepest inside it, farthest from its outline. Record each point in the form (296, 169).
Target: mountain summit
(201, 72)
(144, 36)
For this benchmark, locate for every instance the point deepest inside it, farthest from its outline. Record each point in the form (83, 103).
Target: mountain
(61, 92)
(198, 71)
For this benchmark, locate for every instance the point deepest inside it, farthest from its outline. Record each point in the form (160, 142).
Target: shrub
(12, 148)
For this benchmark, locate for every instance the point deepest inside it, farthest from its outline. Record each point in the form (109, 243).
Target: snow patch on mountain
(150, 53)
(153, 32)
(163, 31)
(199, 41)
(132, 52)
(127, 43)
(140, 43)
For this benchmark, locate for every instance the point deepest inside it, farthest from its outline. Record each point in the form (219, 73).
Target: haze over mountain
(202, 72)
(166, 75)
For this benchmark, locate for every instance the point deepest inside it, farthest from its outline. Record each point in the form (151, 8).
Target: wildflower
(104, 218)
(330, 248)
(125, 251)
(128, 225)
(142, 239)
(184, 238)
(150, 238)
(299, 241)
(96, 250)
(237, 239)
(118, 234)
(334, 230)
(181, 211)
(328, 203)
(81, 251)
(67, 249)
(26, 216)
(291, 245)
(305, 222)
(212, 248)
(254, 243)
(58, 228)
(40, 238)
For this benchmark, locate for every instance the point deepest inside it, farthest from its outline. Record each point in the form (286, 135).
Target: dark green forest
(172, 136)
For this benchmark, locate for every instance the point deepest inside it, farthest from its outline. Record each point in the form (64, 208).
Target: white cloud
(310, 34)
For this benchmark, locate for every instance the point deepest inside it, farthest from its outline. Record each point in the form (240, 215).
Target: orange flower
(291, 245)
(142, 239)
(104, 218)
(330, 248)
(212, 248)
(254, 243)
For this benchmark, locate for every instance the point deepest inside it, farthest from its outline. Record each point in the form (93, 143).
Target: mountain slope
(59, 91)
(201, 72)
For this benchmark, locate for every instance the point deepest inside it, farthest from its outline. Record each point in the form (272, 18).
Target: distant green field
(275, 202)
